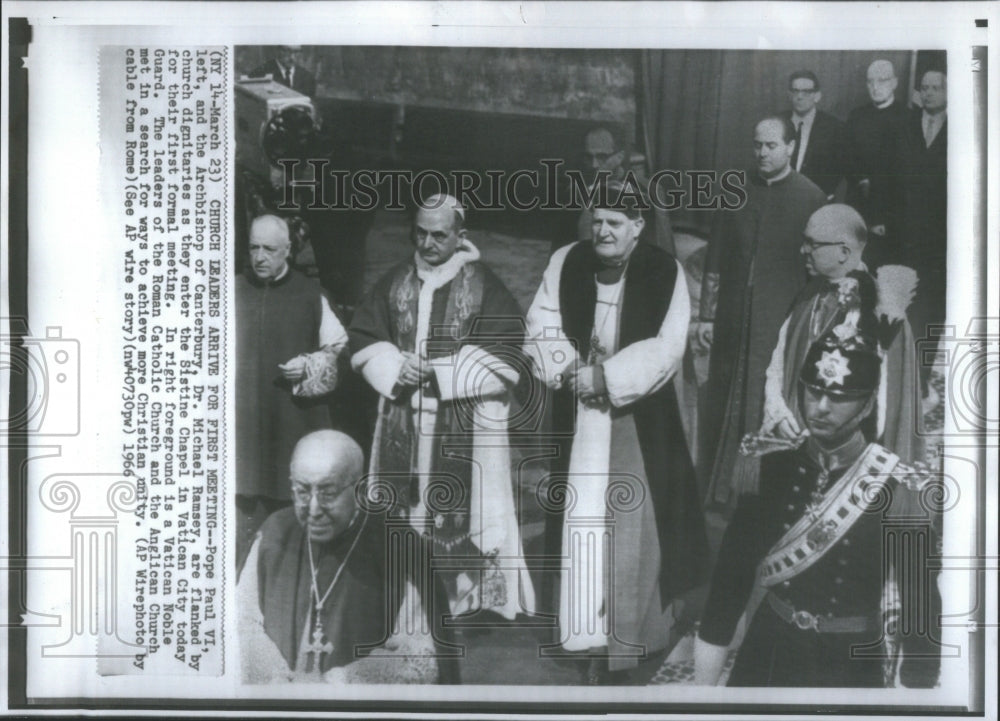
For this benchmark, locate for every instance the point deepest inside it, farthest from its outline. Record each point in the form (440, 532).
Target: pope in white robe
(432, 339)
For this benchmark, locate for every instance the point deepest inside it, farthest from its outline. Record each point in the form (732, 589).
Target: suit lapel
(941, 137)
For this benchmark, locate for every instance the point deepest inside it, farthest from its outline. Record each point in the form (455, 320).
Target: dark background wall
(581, 84)
(498, 106)
(506, 108)
(467, 108)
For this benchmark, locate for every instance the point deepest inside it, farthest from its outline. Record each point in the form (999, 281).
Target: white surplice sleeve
(545, 342)
(775, 408)
(262, 661)
(379, 364)
(645, 366)
(332, 333)
(320, 372)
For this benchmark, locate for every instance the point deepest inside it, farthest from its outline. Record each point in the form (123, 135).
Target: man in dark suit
(819, 136)
(285, 69)
(872, 186)
(922, 164)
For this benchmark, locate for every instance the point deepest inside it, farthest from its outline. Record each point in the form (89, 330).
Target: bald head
(271, 226)
(323, 454)
(773, 145)
(881, 69)
(837, 222)
(881, 78)
(324, 469)
(835, 239)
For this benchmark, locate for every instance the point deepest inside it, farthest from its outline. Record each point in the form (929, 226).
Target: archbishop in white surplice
(431, 339)
(607, 331)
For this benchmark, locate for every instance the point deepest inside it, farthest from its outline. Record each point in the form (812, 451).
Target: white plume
(896, 286)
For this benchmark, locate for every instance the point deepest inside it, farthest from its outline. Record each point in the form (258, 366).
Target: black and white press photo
(501, 359)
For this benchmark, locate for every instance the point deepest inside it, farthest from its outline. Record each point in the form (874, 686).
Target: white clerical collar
(282, 274)
(780, 176)
(886, 104)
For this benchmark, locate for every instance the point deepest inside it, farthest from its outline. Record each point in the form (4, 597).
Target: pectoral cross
(597, 350)
(317, 646)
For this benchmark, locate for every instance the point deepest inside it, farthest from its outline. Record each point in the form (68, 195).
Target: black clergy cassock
(360, 612)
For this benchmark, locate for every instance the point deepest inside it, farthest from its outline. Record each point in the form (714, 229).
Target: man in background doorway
(923, 173)
(819, 137)
(873, 131)
(607, 158)
(285, 68)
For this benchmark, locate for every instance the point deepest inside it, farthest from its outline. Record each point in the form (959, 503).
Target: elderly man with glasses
(841, 289)
(325, 596)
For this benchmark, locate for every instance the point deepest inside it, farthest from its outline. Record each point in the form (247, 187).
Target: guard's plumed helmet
(844, 362)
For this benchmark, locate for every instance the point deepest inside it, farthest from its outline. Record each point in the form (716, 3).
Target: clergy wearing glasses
(320, 601)
(841, 289)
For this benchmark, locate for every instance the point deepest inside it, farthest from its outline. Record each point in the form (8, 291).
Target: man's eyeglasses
(802, 91)
(325, 495)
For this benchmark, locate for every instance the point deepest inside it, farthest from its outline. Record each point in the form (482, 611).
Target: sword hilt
(760, 444)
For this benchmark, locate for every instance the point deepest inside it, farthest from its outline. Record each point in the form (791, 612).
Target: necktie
(928, 130)
(291, 75)
(798, 145)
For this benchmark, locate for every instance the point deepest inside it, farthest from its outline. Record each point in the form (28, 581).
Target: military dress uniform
(848, 586)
